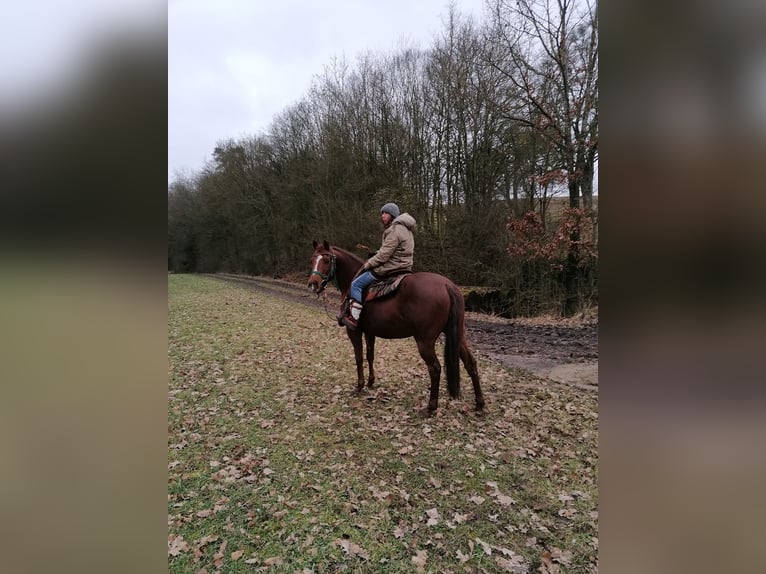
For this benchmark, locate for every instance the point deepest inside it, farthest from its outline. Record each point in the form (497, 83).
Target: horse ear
(315, 244)
(326, 245)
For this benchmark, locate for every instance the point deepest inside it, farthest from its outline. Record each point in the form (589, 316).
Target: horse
(424, 306)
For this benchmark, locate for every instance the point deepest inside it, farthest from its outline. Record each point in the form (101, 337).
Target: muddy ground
(561, 351)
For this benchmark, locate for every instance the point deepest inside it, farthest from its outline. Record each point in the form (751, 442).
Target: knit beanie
(391, 208)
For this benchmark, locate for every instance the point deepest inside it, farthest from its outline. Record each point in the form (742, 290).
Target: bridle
(331, 276)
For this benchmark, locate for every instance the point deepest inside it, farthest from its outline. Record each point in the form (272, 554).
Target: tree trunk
(586, 182)
(571, 271)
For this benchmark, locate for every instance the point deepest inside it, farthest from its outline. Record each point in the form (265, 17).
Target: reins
(326, 310)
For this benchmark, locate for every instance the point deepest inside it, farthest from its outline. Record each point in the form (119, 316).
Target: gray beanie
(391, 208)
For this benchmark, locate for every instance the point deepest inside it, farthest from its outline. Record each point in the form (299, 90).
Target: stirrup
(349, 322)
(344, 309)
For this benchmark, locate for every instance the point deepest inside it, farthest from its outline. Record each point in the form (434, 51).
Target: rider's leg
(354, 309)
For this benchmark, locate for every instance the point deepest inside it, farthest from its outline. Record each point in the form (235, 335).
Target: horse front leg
(428, 353)
(356, 340)
(370, 359)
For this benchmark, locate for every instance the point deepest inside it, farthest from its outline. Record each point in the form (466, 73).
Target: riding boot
(351, 318)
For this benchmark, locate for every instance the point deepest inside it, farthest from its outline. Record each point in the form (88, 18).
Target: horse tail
(452, 340)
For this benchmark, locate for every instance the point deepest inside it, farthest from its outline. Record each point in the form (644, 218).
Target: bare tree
(548, 52)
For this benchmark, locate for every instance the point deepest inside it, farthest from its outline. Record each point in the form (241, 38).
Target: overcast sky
(233, 65)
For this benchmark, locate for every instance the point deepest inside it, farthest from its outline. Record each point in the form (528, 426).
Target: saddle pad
(384, 287)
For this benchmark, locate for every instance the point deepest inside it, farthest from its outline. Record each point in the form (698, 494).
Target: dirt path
(564, 351)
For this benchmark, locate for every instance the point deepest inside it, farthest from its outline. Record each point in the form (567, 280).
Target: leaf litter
(312, 478)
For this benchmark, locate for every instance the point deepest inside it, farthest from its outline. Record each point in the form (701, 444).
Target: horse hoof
(426, 412)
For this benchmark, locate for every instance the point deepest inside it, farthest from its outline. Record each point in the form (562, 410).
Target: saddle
(384, 287)
(376, 290)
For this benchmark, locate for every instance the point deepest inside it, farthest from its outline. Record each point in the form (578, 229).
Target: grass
(273, 464)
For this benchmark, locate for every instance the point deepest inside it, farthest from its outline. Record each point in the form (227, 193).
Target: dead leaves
(515, 564)
(549, 561)
(433, 517)
(352, 549)
(176, 545)
(217, 507)
(508, 560)
(501, 498)
(458, 518)
(268, 451)
(200, 544)
(420, 559)
(486, 547)
(218, 556)
(384, 495)
(249, 468)
(478, 500)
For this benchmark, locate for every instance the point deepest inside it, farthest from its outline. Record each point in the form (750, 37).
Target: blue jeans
(360, 283)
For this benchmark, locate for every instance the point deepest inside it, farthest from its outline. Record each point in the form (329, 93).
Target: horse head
(323, 267)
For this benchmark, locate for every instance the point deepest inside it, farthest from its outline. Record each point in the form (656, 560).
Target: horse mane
(355, 258)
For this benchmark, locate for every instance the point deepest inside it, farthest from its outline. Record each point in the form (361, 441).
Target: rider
(394, 256)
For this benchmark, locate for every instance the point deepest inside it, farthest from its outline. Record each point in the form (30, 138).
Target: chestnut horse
(425, 305)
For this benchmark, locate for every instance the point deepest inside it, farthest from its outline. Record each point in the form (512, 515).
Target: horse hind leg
(469, 362)
(370, 359)
(427, 352)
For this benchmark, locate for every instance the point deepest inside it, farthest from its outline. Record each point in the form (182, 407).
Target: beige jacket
(397, 249)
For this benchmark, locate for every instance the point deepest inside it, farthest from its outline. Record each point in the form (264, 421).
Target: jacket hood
(407, 220)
